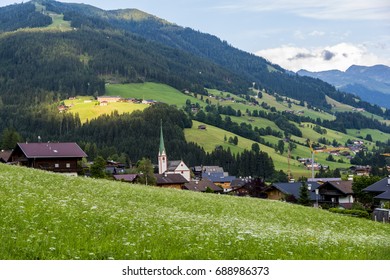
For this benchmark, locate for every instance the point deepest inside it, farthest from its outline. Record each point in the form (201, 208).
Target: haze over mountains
(371, 83)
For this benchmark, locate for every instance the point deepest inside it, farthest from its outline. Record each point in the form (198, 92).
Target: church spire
(162, 155)
(162, 146)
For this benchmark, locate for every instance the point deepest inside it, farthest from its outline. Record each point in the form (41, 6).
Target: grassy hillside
(155, 91)
(88, 108)
(51, 216)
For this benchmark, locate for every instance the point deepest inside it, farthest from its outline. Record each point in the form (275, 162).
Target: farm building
(290, 191)
(129, 178)
(55, 157)
(108, 99)
(336, 193)
(172, 181)
(203, 185)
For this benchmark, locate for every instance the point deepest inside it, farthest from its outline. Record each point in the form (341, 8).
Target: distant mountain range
(372, 83)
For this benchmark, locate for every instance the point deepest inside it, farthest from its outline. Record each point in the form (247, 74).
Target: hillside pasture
(49, 216)
(158, 92)
(88, 108)
(213, 137)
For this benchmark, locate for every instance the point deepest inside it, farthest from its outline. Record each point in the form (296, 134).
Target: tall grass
(50, 216)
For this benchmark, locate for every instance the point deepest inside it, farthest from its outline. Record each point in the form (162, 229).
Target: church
(171, 167)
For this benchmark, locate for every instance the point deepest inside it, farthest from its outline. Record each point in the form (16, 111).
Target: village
(175, 174)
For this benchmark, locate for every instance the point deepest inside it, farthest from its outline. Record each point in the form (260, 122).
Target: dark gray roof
(201, 186)
(238, 182)
(293, 188)
(212, 169)
(167, 179)
(380, 186)
(51, 150)
(126, 177)
(173, 164)
(384, 196)
(218, 177)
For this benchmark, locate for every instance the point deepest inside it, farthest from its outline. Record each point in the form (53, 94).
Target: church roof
(162, 146)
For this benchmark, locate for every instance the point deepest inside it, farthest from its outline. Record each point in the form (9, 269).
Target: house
(361, 170)
(203, 185)
(129, 178)
(202, 127)
(172, 181)
(171, 167)
(381, 190)
(218, 176)
(336, 193)
(248, 187)
(55, 157)
(5, 155)
(290, 192)
(113, 167)
(108, 99)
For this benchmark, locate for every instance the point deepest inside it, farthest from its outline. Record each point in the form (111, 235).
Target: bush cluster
(354, 213)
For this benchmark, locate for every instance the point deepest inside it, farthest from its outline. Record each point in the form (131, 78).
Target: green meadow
(154, 91)
(87, 108)
(47, 216)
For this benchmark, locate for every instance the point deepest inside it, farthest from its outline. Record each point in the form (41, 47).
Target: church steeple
(162, 155)
(162, 146)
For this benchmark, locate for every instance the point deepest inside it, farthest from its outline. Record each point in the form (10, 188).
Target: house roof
(51, 150)
(384, 196)
(173, 164)
(344, 187)
(126, 177)
(293, 188)
(212, 169)
(218, 177)
(201, 186)
(168, 179)
(5, 155)
(238, 182)
(380, 186)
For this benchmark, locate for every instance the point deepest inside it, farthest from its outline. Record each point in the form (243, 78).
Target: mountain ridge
(368, 82)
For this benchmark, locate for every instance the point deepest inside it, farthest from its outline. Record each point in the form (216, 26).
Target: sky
(314, 35)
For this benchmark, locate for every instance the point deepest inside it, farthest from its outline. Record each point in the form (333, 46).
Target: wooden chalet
(203, 185)
(290, 192)
(172, 181)
(129, 178)
(55, 157)
(337, 193)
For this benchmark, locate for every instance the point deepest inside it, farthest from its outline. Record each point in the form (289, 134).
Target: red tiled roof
(52, 150)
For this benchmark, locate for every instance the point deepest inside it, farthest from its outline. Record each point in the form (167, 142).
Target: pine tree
(304, 198)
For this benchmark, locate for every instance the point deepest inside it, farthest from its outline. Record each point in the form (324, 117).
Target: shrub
(354, 213)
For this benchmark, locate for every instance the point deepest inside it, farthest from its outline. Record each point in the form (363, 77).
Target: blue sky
(310, 34)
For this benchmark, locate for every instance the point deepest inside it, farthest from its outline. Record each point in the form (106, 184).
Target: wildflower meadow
(53, 217)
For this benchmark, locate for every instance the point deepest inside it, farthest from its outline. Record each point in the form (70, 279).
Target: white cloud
(339, 56)
(318, 9)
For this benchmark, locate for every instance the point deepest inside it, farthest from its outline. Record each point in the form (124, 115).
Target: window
(56, 165)
(68, 165)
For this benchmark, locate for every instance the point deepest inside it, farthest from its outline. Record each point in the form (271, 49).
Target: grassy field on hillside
(213, 136)
(375, 134)
(155, 91)
(89, 109)
(50, 217)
